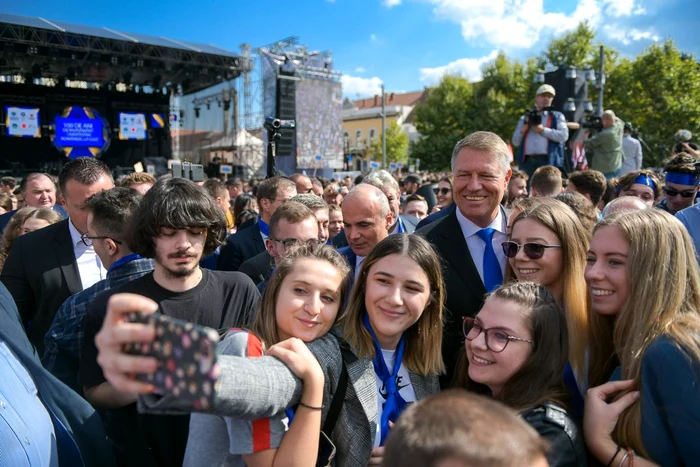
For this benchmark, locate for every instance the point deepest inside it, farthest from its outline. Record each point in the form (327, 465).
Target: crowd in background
(559, 314)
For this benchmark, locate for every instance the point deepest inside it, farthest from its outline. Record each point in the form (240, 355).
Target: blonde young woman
(547, 245)
(645, 320)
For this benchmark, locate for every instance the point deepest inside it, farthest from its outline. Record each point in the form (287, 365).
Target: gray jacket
(262, 387)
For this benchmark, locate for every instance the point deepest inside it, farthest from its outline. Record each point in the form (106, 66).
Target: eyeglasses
(673, 192)
(444, 191)
(290, 242)
(87, 241)
(532, 250)
(496, 339)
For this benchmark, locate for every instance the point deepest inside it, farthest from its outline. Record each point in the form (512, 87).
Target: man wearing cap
(541, 143)
(411, 184)
(604, 150)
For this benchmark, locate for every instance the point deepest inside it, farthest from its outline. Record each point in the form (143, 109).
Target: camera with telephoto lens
(533, 117)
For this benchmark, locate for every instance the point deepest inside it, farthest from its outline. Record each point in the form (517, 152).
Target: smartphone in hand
(187, 356)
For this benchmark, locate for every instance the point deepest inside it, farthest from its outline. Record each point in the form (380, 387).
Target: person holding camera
(604, 150)
(540, 134)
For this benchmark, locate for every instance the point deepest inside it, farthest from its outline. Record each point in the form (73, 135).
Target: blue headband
(645, 180)
(682, 178)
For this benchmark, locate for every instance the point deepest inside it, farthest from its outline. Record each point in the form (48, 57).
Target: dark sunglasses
(444, 191)
(672, 192)
(532, 250)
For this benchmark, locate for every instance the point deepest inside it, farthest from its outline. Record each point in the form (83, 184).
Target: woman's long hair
(423, 354)
(574, 240)
(265, 323)
(540, 378)
(14, 227)
(664, 300)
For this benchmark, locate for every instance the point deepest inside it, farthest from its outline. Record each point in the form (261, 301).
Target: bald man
(303, 183)
(624, 203)
(366, 219)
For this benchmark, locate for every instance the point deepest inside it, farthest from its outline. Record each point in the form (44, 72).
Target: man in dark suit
(77, 430)
(38, 190)
(390, 187)
(247, 243)
(469, 239)
(49, 265)
(367, 218)
(291, 223)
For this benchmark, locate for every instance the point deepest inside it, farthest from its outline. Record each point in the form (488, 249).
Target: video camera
(275, 124)
(592, 122)
(192, 172)
(533, 117)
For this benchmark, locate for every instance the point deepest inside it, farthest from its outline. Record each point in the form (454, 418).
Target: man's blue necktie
(493, 277)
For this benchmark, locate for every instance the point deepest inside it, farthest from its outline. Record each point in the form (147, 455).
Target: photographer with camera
(604, 150)
(540, 134)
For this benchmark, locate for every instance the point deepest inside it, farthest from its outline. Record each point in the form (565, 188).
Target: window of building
(358, 139)
(372, 135)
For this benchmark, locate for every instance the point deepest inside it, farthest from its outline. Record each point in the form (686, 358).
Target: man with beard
(176, 224)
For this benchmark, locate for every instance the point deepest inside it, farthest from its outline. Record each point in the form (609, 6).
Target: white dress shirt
(89, 264)
(476, 244)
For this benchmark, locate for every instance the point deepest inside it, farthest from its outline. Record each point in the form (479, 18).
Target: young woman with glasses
(644, 283)
(301, 301)
(516, 349)
(547, 245)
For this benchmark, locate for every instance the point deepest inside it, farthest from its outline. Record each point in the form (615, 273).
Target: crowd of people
(489, 316)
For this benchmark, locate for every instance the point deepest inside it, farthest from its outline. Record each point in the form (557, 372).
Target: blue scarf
(122, 261)
(264, 227)
(394, 404)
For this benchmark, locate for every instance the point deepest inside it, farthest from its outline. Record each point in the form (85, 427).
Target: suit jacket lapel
(258, 241)
(452, 245)
(66, 258)
(424, 386)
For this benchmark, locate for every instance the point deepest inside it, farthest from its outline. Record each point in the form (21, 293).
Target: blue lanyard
(400, 228)
(395, 404)
(122, 261)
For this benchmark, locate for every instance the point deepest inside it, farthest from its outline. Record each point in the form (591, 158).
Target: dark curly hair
(175, 203)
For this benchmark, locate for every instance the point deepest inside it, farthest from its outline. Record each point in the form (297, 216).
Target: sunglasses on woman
(672, 192)
(532, 250)
(496, 339)
(444, 191)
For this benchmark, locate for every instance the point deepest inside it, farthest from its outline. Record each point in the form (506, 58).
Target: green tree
(396, 145)
(659, 92)
(446, 117)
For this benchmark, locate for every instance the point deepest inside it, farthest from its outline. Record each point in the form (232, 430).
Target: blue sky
(406, 44)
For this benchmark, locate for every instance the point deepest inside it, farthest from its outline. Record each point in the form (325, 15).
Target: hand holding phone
(187, 356)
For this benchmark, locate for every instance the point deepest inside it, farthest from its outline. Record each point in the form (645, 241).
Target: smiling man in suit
(469, 239)
(249, 242)
(49, 265)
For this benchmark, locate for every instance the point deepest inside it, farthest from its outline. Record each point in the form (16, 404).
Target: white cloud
(470, 68)
(360, 69)
(618, 8)
(354, 85)
(518, 24)
(626, 36)
(391, 3)
(373, 37)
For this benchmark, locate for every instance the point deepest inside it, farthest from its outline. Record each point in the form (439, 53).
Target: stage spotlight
(196, 112)
(115, 60)
(208, 105)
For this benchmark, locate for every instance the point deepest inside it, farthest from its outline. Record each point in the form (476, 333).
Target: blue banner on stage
(75, 132)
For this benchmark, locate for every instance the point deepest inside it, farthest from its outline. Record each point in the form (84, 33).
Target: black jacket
(258, 268)
(553, 423)
(240, 247)
(41, 273)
